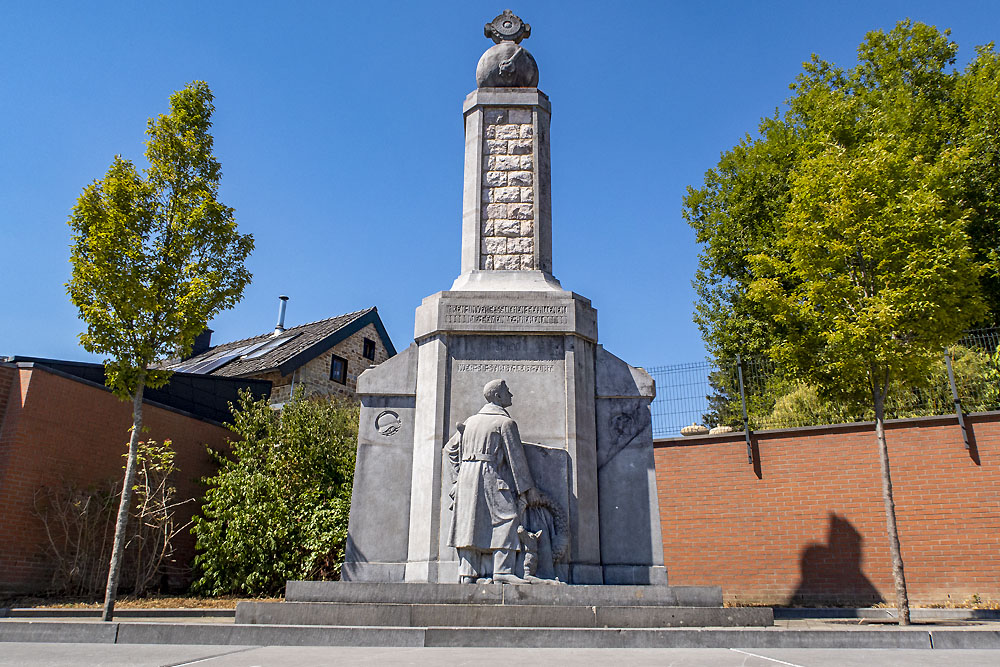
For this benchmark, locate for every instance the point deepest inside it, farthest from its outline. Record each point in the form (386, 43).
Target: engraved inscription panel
(534, 368)
(504, 367)
(504, 313)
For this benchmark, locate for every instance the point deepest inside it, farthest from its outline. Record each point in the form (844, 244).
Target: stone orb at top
(507, 64)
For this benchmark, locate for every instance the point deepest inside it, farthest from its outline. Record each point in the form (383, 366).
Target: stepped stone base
(496, 615)
(471, 606)
(536, 594)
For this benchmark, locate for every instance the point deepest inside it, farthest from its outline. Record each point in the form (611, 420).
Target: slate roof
(301, 345)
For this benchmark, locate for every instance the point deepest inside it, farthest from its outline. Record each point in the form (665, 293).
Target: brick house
(323, 357)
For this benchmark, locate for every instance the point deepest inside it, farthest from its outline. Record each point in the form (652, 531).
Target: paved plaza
(59, 655)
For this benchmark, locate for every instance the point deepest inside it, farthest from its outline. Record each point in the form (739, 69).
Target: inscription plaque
(502, 312)
(504, 367)
(496, 313)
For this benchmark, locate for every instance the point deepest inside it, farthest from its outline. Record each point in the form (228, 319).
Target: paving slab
(137, 655)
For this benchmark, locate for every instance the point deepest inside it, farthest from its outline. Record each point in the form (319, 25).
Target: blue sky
(339, 130)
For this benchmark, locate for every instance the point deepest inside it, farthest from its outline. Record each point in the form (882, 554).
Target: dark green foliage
(278, 507)
(775, 401)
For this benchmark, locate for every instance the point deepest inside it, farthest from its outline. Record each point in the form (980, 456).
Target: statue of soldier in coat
(489, 473)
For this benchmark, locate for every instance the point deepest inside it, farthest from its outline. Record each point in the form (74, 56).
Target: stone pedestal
(573, 400)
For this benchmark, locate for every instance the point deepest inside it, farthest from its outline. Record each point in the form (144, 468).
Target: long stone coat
(489, 471)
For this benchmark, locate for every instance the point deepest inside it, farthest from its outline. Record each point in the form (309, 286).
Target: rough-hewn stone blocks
(507, 214)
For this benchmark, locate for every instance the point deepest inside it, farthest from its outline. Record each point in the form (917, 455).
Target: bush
(278, 507)
(80, 526)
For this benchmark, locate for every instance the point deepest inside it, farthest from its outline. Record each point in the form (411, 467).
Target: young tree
(278, 507)
(155, 256)
(875, 272)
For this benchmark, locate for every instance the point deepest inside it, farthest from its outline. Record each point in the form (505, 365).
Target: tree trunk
(123, 508)
(899, 578)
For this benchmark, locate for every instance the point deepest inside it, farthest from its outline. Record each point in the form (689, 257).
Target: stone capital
(507, 97)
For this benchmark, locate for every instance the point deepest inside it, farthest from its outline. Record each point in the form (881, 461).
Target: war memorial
(504, 471)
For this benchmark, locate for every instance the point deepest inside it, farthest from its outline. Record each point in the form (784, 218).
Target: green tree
(155, 256)
(875, 272)
(734, 216)
(905, 84)
(278, 507)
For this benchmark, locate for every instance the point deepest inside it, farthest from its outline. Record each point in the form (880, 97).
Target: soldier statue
(490, 474)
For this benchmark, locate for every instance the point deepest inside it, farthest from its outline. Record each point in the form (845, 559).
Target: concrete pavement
(74, 655)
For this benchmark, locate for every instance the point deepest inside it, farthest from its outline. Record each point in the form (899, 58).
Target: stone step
(912, 637)
(498, 615)
(491, 594)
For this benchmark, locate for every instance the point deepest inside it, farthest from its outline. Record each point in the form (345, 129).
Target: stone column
(428, 438)
(507, 203)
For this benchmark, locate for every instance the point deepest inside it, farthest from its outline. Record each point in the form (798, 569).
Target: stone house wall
(315, 375)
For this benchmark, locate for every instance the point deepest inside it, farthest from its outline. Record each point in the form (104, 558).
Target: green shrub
(278, 507)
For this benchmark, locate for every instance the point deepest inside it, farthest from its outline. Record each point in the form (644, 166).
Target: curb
(780, 613)
(298, 635)
(877, 613)
(59, 613)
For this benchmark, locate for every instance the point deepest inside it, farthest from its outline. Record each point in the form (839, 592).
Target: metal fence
(708, 393)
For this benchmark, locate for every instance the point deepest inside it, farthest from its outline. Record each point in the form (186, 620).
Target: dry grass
(152, 602)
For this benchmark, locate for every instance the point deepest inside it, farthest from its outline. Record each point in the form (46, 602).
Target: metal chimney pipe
(282, 302)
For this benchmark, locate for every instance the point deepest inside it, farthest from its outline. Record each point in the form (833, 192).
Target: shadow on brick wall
(831, 573)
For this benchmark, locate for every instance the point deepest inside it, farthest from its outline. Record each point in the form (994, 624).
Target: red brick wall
(58, 429)
(807, 523)
(7, 375)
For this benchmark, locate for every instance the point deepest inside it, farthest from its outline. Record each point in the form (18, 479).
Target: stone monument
(556, 485)
(505, 445)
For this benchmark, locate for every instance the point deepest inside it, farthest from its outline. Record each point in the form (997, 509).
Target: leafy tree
(905, 84)
(734, 216)
(875, 271)
(155, 256)
(278, 507)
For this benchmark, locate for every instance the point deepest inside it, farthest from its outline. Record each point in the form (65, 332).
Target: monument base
(629, 575)
(337, 603)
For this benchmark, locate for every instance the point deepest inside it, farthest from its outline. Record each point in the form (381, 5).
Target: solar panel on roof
(190, 365)
(271, 345)
(213, 361)
(216, 362)
(255, 346)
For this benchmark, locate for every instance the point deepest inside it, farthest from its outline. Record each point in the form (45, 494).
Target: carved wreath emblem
(507, 28)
